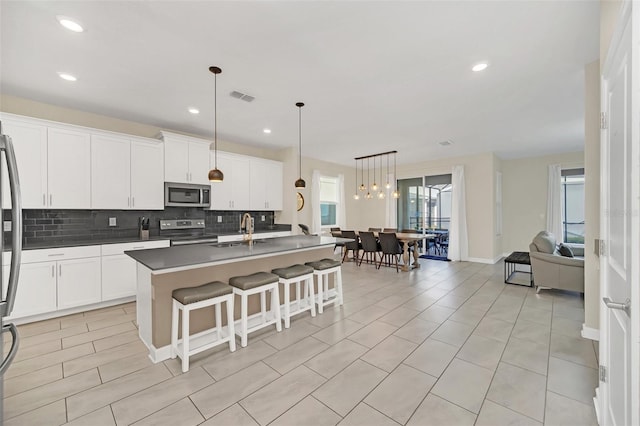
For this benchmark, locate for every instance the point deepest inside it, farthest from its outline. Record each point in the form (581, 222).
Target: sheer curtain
(554, 201)
(458, 239)
(341, 214)
(316, 220)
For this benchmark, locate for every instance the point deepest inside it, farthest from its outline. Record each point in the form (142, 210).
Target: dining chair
(375, 229)
(394, 230)
(390, 248)
(353, 246)
(370, 247)
(412, 231)
(335, 232)
(305, 229)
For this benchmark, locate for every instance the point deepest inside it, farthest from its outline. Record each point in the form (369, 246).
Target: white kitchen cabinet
(186, 159)
(233, 192)
(30, 146)
(119, 274)
(110, 172)
(126, 174)
(79, 282)
(266, 179)
(37, 291)
(147, 181)
(69, 168)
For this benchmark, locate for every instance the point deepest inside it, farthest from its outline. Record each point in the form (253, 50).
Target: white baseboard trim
(70, 311)
(590, 333)
(481, 260)
(157, 355)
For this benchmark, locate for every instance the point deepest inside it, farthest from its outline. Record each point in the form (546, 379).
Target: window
(328, 200)
(573, 206)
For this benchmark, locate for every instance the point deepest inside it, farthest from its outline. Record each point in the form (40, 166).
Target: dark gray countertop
(196, 254)
(119, 240)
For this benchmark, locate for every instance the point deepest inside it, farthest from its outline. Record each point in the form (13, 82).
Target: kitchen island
(160, 271)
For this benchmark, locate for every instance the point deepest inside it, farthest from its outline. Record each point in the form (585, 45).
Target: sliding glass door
(411, 204)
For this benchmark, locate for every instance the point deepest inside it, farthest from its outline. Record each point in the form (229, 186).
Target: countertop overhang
(185, 257)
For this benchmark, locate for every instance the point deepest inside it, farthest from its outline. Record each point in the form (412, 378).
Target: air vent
(446, 143)
(240, 95)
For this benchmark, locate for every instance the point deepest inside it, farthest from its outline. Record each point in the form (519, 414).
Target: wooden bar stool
(297, 274)
(189, 299)
(321, 270)
(245, 286)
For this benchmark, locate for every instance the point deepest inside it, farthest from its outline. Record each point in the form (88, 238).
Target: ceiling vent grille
(240, 95)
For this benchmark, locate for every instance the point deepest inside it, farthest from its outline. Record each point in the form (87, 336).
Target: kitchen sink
(238, 243)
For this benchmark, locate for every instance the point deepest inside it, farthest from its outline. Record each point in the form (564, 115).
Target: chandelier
(375, 188)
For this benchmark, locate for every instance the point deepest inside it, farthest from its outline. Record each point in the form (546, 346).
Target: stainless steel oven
(186, 195)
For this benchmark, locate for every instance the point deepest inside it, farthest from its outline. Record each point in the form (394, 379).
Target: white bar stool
(321, 270)
(189, 299)
(245, 286)
(297, 274)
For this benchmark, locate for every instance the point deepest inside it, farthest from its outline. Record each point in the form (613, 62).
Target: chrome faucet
(247, 224)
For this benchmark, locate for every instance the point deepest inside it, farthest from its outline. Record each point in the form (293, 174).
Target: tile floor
(447, 344)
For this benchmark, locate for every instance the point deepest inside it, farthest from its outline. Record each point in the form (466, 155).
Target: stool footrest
(205, 340)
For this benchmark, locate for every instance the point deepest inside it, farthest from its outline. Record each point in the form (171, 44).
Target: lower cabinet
(57, 279)
(78, 282)
(119, 270)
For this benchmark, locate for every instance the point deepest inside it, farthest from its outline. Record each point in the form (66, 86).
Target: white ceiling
(375, 76)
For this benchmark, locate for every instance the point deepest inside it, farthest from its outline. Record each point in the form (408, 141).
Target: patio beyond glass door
(411, 204)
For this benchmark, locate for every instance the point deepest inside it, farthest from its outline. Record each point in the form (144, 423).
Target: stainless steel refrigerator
(6, 305)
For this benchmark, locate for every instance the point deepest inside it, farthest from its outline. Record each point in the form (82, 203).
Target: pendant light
(388, 185)
(368, 196)
(355, 195)
(396, 194)
(381, 193)
(215, 175)
(362, 187)
(300, 183)
(374, 187)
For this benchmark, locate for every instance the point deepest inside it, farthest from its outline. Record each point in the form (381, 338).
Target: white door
(240, 185)
(69, 154)
(110, 172)
(259, 181)
(79, 282)
(619, 231)
(37, 289)
(222, 192)
(275, 187)
(118, 277)
(30, 146)
(176, 161)
(147, 189)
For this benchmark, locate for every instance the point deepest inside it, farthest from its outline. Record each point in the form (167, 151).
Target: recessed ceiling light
(194, 111)
(480, 66)
(267, 131)
(70, 24)
(68, 77)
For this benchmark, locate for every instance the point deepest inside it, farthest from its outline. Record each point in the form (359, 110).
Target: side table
(511, 271)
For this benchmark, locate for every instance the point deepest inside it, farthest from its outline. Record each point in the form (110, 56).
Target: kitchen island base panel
(155, 288)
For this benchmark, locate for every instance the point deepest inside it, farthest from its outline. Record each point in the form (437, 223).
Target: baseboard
(481, 260)
(596, 405)
(70, 311)
(590, 333)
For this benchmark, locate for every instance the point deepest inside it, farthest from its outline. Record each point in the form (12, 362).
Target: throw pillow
(565, 250)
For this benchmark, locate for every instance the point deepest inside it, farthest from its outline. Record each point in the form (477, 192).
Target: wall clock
(300, 201)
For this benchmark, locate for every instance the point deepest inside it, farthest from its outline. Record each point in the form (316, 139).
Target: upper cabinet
(69, 169)
(126, 173)
(186, 159)
(30, 146)
(266, 178)
(233, 192)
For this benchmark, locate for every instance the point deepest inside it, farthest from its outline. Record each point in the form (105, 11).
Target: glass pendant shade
(215, 175)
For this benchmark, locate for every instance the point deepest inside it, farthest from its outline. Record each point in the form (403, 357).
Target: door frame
(628, 15)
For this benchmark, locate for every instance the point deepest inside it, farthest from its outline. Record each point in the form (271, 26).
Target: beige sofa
(550, 269)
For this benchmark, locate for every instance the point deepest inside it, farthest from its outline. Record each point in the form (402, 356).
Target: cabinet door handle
(138, 248)
(44, 199)
(59, 270)
(128, 202)
(133, 201)
(187, 176)
(53, 271)
(56, 254)
(50, 199)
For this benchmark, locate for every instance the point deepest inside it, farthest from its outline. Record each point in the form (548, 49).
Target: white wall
(524, 194)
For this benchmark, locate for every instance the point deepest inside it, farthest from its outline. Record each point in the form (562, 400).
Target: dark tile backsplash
(57, 226)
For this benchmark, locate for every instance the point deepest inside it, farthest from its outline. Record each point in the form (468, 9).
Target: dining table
(405, 238)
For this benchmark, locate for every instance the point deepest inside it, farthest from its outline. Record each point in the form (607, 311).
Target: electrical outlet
(7, 225)
(113, 221)
(262, 218)
(219, 219)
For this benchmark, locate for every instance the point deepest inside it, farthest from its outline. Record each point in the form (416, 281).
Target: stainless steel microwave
(186, 195)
